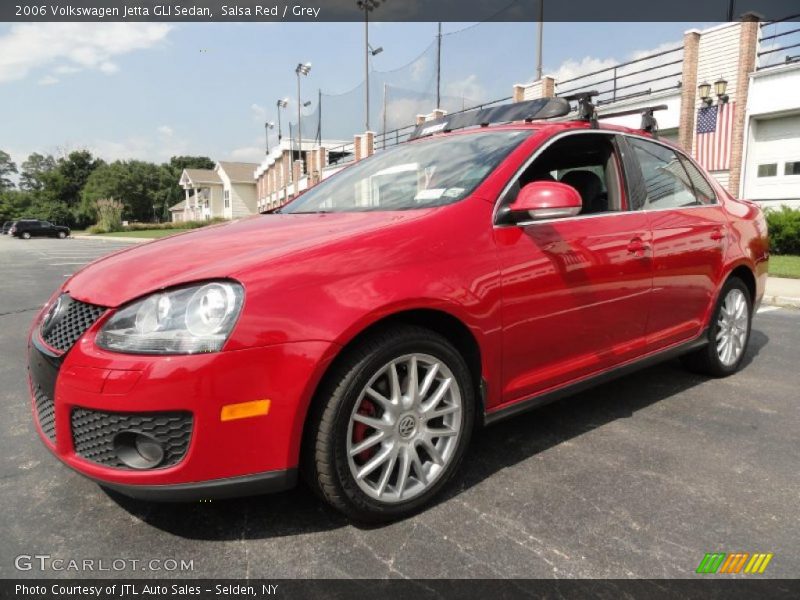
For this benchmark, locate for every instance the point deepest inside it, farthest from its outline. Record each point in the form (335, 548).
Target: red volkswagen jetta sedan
(358, 335)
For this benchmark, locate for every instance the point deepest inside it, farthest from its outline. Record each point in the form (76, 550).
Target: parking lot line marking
(65, 264)
(766, 309)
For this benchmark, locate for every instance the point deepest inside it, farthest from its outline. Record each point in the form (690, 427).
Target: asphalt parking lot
(637, 478)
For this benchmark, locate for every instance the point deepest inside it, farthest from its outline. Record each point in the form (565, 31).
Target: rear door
(575, 290)
(689, 231)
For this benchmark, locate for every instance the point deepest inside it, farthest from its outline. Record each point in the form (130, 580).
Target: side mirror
(545, 200)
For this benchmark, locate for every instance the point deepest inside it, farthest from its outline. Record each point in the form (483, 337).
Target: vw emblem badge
(50, 318)
(407, 426)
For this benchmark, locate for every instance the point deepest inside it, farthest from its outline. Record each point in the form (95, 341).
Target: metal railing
(628, 79)
(344, 154)
(776, 40)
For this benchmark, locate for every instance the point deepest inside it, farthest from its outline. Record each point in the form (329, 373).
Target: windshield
(423, 174)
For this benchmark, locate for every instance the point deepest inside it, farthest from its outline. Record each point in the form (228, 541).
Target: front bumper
(220, 458)
(231, 487)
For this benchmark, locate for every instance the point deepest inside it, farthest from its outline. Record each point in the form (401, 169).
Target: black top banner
(396, 10)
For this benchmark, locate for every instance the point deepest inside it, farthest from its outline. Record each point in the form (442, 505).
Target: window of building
(768, 170)
(792, 168)
(227, 196)
(666, 181)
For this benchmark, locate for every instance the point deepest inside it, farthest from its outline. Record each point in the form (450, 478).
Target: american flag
(713, 136)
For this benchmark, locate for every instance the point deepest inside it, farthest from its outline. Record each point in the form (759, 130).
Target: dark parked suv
(28, 228)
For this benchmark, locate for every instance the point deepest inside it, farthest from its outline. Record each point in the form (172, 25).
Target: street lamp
(301, 69)
(267, 126)
(282, 103)
(367, 6)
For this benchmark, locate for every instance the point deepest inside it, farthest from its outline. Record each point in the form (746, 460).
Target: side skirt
(593, 380)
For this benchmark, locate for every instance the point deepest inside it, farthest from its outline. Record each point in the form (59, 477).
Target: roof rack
(649, 123)
(529, 110)
(587, 111)
(586, 108)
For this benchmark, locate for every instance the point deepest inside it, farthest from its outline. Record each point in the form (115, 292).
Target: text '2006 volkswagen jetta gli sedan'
(359, 334)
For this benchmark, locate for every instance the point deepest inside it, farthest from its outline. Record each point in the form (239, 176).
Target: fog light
(138, 450)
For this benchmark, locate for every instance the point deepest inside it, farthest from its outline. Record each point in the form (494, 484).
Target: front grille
(93, 434)
(46, 412)
(76, 319)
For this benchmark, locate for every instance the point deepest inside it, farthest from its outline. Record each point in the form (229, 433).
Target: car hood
(219, 251)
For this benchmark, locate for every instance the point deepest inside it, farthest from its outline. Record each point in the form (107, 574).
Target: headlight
(186, 320)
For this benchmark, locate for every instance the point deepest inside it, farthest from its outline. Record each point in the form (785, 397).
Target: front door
(575, 290)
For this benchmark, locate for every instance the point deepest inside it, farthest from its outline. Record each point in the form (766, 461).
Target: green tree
(15, 204)
(66, 181)
(7, 167)
(140, 186)
(32, 169)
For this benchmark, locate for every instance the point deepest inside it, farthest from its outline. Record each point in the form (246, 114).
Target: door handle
(637, 246)
(718, 234)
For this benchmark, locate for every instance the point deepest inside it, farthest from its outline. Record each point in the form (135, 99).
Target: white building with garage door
(772, 147)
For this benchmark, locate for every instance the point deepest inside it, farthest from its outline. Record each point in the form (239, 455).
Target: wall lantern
(720, 85)
(705, 93)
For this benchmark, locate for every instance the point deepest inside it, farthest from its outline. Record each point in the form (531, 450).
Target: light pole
(267, 126)
(281, 104)
(367, 6)
(301, 69)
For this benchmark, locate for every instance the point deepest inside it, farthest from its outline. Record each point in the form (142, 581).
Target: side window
(588, 162)
(702, 189)
(666, 181)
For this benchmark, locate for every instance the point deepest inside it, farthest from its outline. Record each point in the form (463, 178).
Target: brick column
(357, 147)
(548, 87)
(691, 45)
(518, 95)
(420, 119)
(369, 143)
(297, 170)
(748, 42)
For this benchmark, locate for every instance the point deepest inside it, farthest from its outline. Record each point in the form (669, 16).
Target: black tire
(706, 360)
(25, 235)
(325, 463)
(62, 235)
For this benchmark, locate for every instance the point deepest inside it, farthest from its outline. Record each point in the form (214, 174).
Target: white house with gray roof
(227, 191)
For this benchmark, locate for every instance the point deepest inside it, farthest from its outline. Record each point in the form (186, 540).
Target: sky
(152, 90)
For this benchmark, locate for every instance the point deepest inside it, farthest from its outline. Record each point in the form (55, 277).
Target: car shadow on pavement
(492, 449)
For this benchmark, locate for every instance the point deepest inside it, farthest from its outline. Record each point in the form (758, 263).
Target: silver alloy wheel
(732, 325)
(404, 428)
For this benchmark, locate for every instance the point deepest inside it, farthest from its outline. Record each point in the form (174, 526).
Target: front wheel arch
(438, 321)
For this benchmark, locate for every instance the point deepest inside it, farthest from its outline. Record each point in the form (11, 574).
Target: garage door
(773, 164)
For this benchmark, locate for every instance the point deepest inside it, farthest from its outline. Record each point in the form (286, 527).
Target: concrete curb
(112, 238)
(784, 301)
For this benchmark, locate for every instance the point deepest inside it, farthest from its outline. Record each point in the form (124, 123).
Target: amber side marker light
(243, 410)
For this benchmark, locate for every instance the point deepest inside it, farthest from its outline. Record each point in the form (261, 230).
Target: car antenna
(586, 108)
